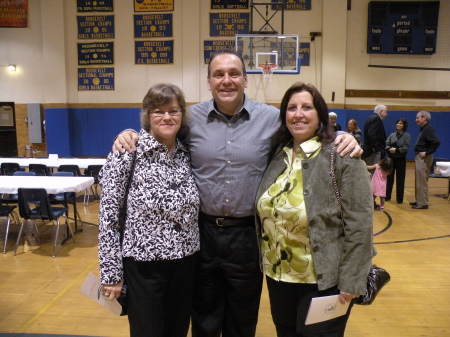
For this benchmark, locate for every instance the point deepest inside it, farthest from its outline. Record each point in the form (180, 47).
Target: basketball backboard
(279, 52)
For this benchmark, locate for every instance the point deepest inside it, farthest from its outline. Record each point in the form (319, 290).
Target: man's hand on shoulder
(346, 143)
(126, 141)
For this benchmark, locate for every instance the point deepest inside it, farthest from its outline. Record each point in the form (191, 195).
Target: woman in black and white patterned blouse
(161, 237)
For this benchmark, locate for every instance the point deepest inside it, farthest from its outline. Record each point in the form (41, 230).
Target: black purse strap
(123, 208)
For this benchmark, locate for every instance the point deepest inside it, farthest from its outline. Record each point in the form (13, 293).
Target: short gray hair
(425, 114)
(378, 108)
(158, 95)
(332, 114)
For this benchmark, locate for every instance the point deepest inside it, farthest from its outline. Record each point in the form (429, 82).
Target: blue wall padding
(440, 120)
(87, 132)
(90, 132)
(57, 131)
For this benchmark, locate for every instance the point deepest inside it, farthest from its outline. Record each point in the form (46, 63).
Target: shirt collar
(244, 111)
(148, 143)
(306, 149)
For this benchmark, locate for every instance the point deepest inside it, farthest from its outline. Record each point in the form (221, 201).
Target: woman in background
(354, 130)
(397, 145)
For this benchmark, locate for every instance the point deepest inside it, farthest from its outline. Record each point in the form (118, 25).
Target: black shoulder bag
(377, 276)
(122, 299)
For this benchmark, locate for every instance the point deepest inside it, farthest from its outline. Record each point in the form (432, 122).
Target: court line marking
(33, 319)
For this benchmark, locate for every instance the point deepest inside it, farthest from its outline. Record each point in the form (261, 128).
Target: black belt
(228, 221)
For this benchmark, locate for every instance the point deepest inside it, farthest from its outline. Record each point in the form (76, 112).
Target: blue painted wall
(90, 132)
(86, 131)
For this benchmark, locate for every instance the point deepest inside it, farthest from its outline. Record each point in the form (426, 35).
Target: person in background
(332, 118)
(231, 139)
(158, 253)
(375, 135)
(311, 244)
(397, 145)
(427, 143)
(379, 179)
(354, 130)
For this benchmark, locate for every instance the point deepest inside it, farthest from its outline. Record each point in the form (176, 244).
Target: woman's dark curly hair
(324, 132)
(405, 123)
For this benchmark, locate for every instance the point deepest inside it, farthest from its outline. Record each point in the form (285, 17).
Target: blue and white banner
(228, 24)
(299, 5)
(229, 4)
(211, 47)
(153, 5)
(96, 53)
(304, 51)
(95, 79)
(95, 27)
(153, 25)
(95, 6)
(153, 52)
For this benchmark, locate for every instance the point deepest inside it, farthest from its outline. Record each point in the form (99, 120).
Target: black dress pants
(160, 296)
(228, 281)
(399, 170)
(289, 304)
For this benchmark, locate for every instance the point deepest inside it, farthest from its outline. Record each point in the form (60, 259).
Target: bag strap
(123, 208)
(333, 176)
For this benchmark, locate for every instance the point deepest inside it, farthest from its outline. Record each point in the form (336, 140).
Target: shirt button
(229, 142)
(227, 200)
(229, 161)
(305, 165)
(227, 181)
(315, 248)
(305, 192)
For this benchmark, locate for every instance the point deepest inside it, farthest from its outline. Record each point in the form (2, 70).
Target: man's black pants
(228, 281)
(160, 296)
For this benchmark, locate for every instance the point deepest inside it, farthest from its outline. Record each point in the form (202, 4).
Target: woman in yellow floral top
(311, 245)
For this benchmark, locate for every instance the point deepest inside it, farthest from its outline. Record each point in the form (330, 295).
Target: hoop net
(267, 69)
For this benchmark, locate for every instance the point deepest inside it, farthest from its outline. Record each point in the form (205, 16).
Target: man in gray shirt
(230, 139)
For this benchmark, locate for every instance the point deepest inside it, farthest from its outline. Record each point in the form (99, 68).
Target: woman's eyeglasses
(172, 113)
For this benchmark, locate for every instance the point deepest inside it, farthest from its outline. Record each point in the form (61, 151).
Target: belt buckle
(219, 222)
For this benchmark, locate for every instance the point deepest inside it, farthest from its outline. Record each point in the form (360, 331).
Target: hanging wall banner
(153, 52)
(153, 5)
(95, 27)
(229, 4)
(304, 52)
(95, 6)
(228, 24)
(153, 25)
(14, 13)
(95, 53)
(95, 79)
(301, 5)
(211, 47)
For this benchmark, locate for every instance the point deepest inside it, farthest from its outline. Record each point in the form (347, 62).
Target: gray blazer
(341, 250)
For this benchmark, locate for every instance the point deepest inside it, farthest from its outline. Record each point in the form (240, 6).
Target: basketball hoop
(267, 69)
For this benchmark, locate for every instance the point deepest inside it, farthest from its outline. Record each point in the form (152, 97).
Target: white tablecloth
(50, 162)
(443, 168)
(53, 185)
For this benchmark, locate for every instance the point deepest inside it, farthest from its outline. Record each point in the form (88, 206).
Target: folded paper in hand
(91, 289)
(325, 308)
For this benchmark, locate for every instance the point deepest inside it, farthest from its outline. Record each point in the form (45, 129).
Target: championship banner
(211, 47)
(229, 4)
(304, 52)
(95, 6)
(95, 27)
(95, 79)
(153, 5)
(228, 24)
(300, 5)
(153, 52)
(96, 53)
(14, 13)
(153, 25)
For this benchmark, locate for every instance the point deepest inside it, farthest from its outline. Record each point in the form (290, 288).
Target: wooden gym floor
(40, 294)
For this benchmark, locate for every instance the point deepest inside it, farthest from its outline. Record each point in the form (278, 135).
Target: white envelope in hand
(90, 288)
(325, 308)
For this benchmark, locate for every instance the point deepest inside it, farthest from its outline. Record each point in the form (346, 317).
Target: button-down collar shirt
(229, 155)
